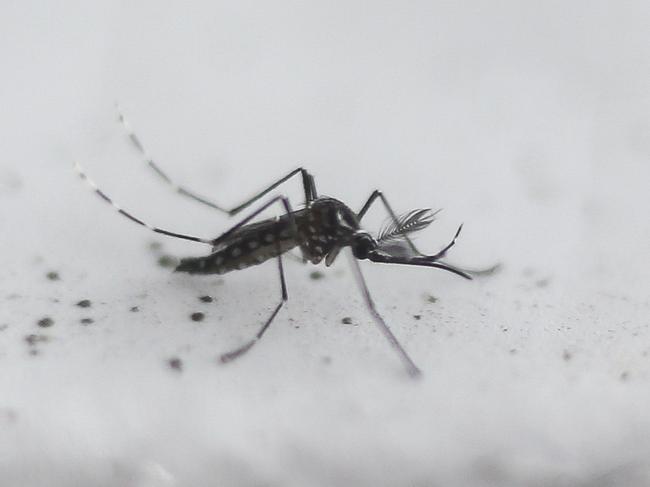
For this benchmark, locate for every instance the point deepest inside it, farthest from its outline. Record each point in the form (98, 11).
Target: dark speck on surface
(566, 355)
(326, 360)
(175, 364)
(430, 298)
(9, 415)
(33, 339)
(198, 316)
(206, 299)
(625, 376)
(347, 320)
(45, 322)
(417, 317)
(86, 321)
(316, 275)
(155, 246)
(167, 261)
(134, 309)
(542, 282)
(84, 303)
(53, 276)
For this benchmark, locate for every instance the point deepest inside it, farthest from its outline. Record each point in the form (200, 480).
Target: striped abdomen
(250, 245)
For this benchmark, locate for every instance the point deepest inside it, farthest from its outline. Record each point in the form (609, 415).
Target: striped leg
(230, 356)
(128, 215)
(307, 179)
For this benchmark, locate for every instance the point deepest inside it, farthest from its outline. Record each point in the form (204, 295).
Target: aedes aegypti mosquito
(320, 229)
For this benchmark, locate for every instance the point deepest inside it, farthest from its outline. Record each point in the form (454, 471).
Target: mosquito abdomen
(250, 246)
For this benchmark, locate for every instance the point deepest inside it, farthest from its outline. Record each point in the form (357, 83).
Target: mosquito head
(393, 245)
(362, 244)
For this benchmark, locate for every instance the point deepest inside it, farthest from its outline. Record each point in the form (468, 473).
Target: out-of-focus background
(527, 121)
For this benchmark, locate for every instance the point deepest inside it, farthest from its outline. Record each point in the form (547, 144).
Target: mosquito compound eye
(362, 245)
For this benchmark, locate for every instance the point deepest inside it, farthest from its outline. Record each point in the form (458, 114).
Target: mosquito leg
(307, 179)
(307, 183)
(287, 207)
(135, 140)
(230, 356)
(411, 368)
(378, 194)
(443, 252)
(128, 215)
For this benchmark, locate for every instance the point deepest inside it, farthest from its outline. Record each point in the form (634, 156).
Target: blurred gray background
(527, 121)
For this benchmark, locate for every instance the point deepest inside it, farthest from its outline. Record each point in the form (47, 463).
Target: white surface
(528, 122)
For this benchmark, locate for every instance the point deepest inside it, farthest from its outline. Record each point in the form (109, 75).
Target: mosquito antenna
(106, 198)
(411, 368)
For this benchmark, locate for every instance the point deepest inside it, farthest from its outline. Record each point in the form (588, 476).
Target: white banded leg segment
(128, 215)
(135, 140)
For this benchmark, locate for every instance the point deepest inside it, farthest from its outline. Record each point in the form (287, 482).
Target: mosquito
(321, 228)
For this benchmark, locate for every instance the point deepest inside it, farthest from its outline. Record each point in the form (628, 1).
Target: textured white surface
(528, 122)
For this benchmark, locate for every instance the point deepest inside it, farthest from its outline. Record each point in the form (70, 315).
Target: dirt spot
(86, 321)
(167, 261)
(417, 317)
(155, 246)
(84, 303)
(198, 316)
(8, 415)
(53, 276)
(45, 322)
(34, 339)
(566, 355)
(206, 299)
(430, 298)
(316, 275)
(346, 321)
(176, 364)
(134, 309)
